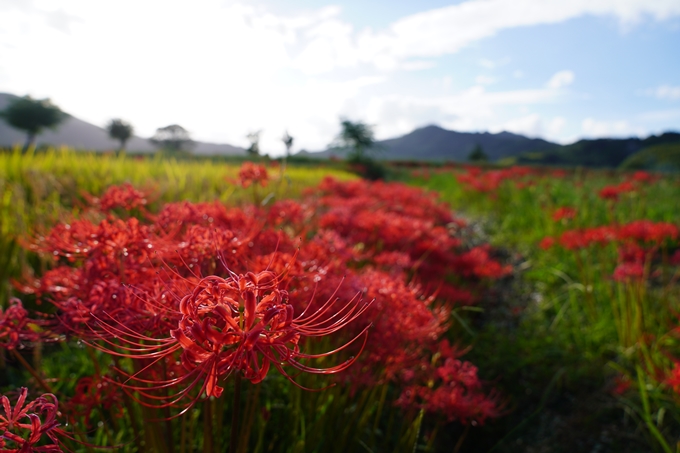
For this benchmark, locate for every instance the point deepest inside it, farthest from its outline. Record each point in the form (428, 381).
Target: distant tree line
(35, 115)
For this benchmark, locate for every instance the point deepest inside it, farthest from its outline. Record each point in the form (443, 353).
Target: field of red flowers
(586, 344)
(330, 322)
(184, 306)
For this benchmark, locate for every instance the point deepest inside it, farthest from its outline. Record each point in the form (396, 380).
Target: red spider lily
(15, 326)
(648, 231)
(251, 173)
(490, 181)
(673, 378)
(449, 387)
(564, 212)
(478, 263)
(621, 385)
(644, 177)
(625, 272)
(578, 239)
(24, 425)
(612, 192)
(124, 197)
(547, 243)
(243, 323)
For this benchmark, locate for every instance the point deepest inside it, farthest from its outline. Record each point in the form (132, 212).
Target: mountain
(664, 157)
(603, 152)
(83, 135)
(436, 144)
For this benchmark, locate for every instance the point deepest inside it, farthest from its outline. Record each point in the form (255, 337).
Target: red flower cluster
(447, 386)
(489, 181)
(638, 243)
(16, 327)
(639, 231)
(564, 212)
(613, 192)
(200, 291)
(24, 425)
(251, 173)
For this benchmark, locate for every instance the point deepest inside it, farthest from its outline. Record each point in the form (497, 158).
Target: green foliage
(655, 158)
(599, 153)
(356, 136)
(120, 130)
(32, 116)
(478, 155)
(563, 330)
(173, 139)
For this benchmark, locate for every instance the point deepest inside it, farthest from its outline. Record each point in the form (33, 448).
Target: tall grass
(611, 336)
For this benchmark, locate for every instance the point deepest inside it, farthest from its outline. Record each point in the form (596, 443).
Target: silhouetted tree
(356, 136)
(254, 139)
(120, 130)
(288, 142)
(478, 155)
(173, 138)
(32, 116)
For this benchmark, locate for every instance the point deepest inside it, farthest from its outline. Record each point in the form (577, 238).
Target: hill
(80, 134)
(664, 157)
(433, 143)
(604, 153)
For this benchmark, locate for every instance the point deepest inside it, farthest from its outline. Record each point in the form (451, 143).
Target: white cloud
(222, 68)
(620, 128)
(561, 79)
(533, 125)
(468, 110)
(484, 80)
(666, 92)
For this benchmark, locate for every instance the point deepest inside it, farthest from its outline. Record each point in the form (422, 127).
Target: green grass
(554, 339)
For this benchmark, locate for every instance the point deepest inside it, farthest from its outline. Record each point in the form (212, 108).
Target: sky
(555, 69)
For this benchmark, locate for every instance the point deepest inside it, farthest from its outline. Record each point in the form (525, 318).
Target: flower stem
(235, 413)
(33, 373)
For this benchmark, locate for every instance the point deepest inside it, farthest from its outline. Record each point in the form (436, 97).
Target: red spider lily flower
(547, 243)
(251, 173)
(243, 323)
(24, 425)
(673, 378)
(447, 386)
(612, 192)
(124, 197)
(648, 231)
(625, 272)
(621, 385)
(564, 212)
(15, 326)
(644, 177)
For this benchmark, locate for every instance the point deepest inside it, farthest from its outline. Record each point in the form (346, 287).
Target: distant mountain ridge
(83, 135)
(601, 152)
(429, 143)
(433, 143)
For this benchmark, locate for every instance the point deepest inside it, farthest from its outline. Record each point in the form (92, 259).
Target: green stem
(33, 373)
(235, 413)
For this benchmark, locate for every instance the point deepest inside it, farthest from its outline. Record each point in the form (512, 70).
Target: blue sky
(561, 70)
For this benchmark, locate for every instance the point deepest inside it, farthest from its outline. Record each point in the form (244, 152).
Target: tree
(120, 130)
(254, 139)
(32, 116)
(288, 141)
(173, 138)
(478, 155)
(357, 136)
